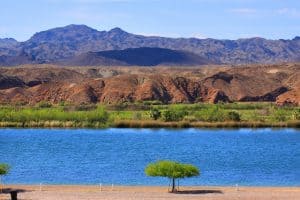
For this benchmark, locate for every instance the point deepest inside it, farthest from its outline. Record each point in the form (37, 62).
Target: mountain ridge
(72, 40)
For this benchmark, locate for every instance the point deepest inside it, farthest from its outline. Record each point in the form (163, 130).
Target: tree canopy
(172, 170)
(4, 169)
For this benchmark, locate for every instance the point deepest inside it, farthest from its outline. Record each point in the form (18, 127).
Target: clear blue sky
(221, 19)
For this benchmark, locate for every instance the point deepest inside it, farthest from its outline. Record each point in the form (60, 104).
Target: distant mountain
(9, 46)
(18, 59)
(73, 40)
(144, 56)
(8, 42)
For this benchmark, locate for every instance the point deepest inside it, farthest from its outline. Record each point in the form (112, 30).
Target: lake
(261, 157)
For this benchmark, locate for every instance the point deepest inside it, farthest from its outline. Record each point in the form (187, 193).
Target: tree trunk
(173, 185)
(1, 185)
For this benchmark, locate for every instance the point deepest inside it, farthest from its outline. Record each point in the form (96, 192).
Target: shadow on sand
(199, 192)
(9, 190)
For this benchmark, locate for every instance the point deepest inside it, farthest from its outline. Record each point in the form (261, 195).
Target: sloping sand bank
(58, 192)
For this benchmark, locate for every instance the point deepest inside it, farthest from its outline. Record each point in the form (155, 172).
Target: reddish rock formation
(169, 85)
(289, 98)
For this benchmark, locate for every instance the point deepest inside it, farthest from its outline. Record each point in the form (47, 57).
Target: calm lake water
(88, 156)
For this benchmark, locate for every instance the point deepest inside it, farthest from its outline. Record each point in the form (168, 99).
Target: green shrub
(211, 114)
(190, 118)
(233, 116)
(173, 115)
(279, 115)
(150, 103)
(44, 104)
(155, 113)
(137, 116)
(296, 114)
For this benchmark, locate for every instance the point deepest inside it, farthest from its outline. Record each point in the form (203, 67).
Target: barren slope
(32, 84)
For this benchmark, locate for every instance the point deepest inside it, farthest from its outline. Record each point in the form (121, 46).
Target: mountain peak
(117, 30)
(8, 42)
(56, 34)
(77, 27)
(297, 38)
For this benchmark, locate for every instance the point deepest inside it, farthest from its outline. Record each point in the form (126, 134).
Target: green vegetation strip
(150, 115)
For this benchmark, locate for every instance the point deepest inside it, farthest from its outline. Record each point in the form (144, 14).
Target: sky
(220, 19)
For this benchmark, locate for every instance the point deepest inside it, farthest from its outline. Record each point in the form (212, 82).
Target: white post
(100, 185)
(40, 187)
(112, 187)
(237, 187)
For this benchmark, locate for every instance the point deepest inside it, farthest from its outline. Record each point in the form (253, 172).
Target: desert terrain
(31, 84)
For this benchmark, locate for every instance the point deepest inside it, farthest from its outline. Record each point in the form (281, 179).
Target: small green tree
(172, 170)
(4, 169)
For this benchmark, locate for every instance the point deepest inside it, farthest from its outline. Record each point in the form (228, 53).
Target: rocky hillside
(66, 42)
(29, 85)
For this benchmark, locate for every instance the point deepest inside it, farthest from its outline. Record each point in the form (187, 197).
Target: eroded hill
(32, 84)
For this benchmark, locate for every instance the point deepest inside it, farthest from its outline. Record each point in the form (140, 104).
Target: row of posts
(100, 187)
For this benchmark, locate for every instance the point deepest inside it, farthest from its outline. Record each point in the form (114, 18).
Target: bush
(44, 104)
(150, 103)
(137, 116)
(280, 115)
(233, 116)
(211, 114)
(189, 118)
(173, 115)
(155, 113)
(296, 115)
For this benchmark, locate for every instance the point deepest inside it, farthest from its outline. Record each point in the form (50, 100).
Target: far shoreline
(149, 124)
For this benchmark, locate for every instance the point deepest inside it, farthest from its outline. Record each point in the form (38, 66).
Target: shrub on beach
(172, 170)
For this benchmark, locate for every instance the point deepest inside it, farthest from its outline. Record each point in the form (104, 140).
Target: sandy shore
(57, 192)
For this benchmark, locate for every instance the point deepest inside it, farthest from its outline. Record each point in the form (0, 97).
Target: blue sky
(221, 19)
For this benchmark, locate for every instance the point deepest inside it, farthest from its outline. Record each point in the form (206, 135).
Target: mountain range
(82, 45)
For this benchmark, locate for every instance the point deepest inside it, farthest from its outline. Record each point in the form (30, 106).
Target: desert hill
(32, 84)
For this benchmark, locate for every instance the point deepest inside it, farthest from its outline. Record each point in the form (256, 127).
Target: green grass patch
(150, 114)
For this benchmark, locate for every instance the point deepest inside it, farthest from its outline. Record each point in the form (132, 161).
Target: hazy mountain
(9, 46)
(18, 59)
(144, 56)
(73, 40)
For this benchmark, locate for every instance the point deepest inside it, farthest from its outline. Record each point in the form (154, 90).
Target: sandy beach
(66, 192)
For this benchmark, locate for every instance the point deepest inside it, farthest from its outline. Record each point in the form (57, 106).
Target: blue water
(263, 157)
